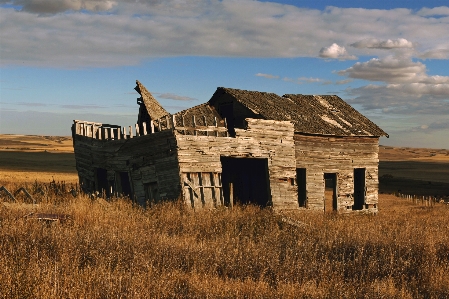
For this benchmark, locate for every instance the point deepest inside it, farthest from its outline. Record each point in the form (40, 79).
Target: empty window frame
(301, 181)
(359, 188)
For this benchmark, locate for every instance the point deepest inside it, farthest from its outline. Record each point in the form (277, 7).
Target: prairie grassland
(118, 250)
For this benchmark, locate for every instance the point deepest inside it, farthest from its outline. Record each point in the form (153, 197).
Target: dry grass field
(417, 171)
(117, 250)
(43, 158)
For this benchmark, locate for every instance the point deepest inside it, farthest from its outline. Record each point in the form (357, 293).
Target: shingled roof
(201, 112)
(154, 109)
(310, 114)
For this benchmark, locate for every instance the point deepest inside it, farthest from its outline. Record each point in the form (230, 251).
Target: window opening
(301, 181)
(359, 188)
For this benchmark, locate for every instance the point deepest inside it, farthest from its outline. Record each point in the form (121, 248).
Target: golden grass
(27, 158)
(118, 250)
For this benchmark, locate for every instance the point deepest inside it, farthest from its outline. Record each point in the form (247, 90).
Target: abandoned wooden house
(240, 147)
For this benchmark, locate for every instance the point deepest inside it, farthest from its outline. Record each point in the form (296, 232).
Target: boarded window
(301, 181)
(246, 181)
(202, 189)
(359, 188)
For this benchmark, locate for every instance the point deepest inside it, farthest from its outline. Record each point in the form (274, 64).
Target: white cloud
(407, 88)
(310, 79)
(345, 81)
(83, 33)
(267, 76)
(336, 52)
(175, 97)
(390, 70)
(383, 44)
(436, 11)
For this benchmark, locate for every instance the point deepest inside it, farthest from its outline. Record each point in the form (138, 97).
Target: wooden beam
(194, 125)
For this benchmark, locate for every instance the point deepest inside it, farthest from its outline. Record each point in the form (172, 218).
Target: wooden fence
(114, 132)
(12, 195)
(428, 201)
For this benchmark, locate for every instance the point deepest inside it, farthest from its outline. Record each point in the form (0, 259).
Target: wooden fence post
(194, 125)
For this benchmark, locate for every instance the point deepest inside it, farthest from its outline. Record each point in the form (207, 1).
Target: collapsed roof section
(154, 109)
(310, 114)
(204, 114)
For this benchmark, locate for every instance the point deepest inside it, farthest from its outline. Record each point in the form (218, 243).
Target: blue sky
(79, 59)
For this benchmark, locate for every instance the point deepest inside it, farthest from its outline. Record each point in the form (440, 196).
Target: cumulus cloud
(336, 52)
(78, 33)
(436, 11)
(406, 89)
(390, 69)
(383, 44)
(175, 97)
(267, 76)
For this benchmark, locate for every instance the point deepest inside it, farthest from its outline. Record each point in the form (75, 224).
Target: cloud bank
(82, 33)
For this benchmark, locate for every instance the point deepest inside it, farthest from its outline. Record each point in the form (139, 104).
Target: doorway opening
(245, 181)
(301, 181)
(123, 185)
(359, 188)
(101, 181)
(330, 192)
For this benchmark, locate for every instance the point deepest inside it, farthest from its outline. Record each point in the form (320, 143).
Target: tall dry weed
(114, 249)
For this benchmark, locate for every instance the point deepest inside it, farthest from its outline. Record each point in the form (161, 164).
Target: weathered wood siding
(147, 159)
(340, 155)
(200, 165)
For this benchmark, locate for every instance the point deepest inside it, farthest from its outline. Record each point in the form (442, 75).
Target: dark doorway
(301, 181)
(330, 192)
(227, 111)
(123, 184)
(245, 181)
(359, 188)
(101, 182)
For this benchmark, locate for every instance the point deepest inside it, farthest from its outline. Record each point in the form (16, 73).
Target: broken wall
(150, 162)
(201, 169)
